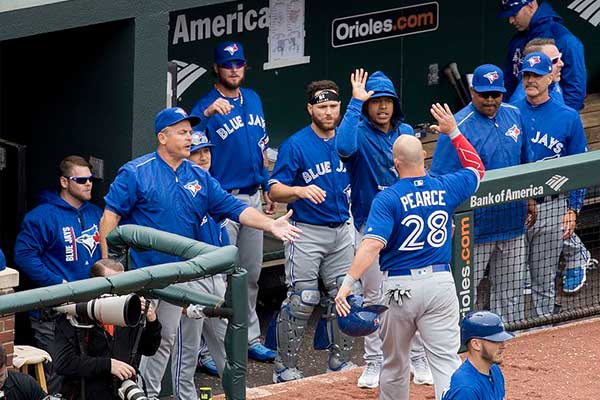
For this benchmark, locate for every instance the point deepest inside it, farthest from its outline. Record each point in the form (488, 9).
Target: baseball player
(480, 377)
(552, 130)
(371, 124)
(234, 121)
(409, 228)
(191, 328)
(166, 191)
(577, 258)
(541, 21)
(494, 128)
(311, 178)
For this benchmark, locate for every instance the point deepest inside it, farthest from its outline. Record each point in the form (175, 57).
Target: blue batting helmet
(361, 321)
(483, 325)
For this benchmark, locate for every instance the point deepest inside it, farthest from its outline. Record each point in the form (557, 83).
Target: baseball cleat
(286, 375)
(342, 367)
(574, 279)
(370, 376)
(259, 352)
(421, 372)
(208, 365)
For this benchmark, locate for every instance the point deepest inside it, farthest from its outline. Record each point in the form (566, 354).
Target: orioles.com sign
(384, 24)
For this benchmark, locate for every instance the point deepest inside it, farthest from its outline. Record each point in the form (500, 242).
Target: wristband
(454, 134)
(348, 281)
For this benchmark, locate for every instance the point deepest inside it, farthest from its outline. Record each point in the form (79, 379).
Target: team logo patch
(181, 111)
(513, 132)
(231, 49)
(193, 187)
(90, 239)
(491, 76)
(534, 60)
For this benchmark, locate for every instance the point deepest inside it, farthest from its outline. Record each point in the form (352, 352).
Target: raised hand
(445, 120)
(358, 80)
(221, 106)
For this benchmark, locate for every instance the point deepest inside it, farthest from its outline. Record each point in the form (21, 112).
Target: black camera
(129, 390)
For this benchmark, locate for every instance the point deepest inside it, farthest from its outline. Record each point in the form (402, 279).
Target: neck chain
(240, 96)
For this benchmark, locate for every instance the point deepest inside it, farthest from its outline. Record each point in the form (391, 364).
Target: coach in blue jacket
(59, 241)
(541, 21)
(496, 132)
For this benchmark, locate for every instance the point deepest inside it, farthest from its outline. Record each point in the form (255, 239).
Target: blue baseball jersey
(413, 218)
(306, 159)
(499, 142)
(367, 152)
(553, 130)
(212, 232)
(239, 139)
(554, 90)
(148, 192)
(467, 383)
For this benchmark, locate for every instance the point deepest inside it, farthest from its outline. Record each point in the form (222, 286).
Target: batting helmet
(483, 325)
(360, 321)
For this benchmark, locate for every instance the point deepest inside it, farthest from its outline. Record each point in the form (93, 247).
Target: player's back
(414, 218)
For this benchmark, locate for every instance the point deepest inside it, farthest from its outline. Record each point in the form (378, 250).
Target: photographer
(95, 361)
(15, 385)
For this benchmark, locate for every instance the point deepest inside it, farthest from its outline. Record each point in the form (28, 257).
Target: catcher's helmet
(483, 325)
(361, 321)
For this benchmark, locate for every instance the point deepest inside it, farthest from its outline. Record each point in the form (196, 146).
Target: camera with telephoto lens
(113, 310)
(129, 390)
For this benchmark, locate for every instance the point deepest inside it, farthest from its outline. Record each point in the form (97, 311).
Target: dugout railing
(521, 275)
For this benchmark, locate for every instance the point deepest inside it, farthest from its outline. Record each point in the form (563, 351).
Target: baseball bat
(450, 76)
(459, 81)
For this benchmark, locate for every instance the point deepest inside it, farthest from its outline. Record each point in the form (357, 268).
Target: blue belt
(250, 190)
(434, 268)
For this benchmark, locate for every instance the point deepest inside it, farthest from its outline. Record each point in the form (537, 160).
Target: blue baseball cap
(199, 141)
(510, 8)
(229, 51)
(537, 62)
(488, 78)
(172, 116)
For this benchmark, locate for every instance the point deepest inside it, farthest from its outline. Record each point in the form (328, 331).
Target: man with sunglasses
(234, 121)
(533, 20)
(495, 130)
(59, 242)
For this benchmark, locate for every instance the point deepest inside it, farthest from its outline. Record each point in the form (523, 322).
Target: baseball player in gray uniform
(311, 178)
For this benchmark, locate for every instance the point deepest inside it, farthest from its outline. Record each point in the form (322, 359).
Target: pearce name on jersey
(423, 198)
(321, 169)
(236, 123)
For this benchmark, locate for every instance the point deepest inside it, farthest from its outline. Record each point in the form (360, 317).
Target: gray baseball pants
(506, 260)
(249, 242)
(432, 309)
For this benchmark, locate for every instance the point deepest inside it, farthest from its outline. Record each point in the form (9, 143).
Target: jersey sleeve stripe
(376, 237)
(273, 181)
(477, 175)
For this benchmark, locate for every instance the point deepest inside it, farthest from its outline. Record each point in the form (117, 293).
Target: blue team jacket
(239, 139)
(553, 130)
(467, 383)
(367, 151)
(148, 192)
(58, 241)
(305, 159)
(499, 142)
(545, 23)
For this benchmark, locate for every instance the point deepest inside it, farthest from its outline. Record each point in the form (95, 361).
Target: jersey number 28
(436, 237)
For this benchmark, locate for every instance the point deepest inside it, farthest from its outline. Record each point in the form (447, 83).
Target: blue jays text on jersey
(58, 241)
(305, 159)
(239, 139)
(148, 192)
(413, 218)
(500, 143)
(467, 383)
(553, 130)
(366, 150)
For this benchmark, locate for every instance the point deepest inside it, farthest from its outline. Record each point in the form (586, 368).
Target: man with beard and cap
(495, 130)
(480, 377)
(311, 178)
(234, 121)
(533, 20)
(552, 130)
(364, 142)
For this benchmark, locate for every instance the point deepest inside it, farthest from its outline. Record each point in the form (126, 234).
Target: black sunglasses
(485, 95)
(81, 180)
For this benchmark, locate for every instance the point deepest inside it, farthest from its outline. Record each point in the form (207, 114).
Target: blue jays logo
(90, 239)
(193, 187)
(491, 76)
(181, 111)
(231, 49)
(534, 60)
(513, 132)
